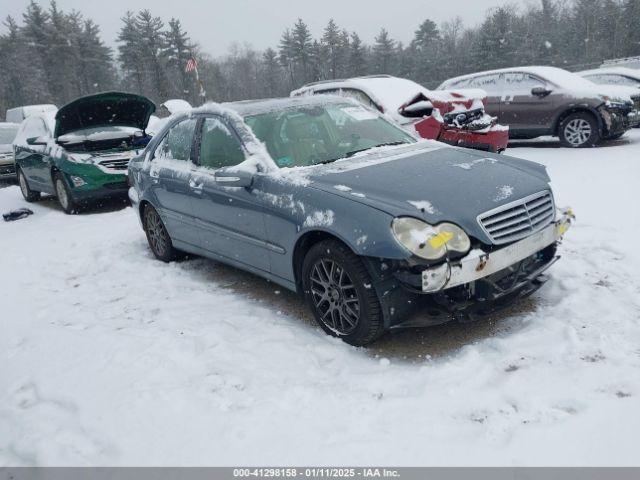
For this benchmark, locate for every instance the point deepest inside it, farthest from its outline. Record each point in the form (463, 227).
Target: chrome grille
(116, 163)
(518, 219)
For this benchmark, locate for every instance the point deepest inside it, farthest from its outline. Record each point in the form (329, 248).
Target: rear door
(230, 219)
(169, 176)
(524, 112)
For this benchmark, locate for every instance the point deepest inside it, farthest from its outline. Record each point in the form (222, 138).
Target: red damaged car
(456, 117)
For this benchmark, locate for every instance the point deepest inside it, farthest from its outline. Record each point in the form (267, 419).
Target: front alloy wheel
(340, 293)
(63, 194)
(579, 130)
(335, 297)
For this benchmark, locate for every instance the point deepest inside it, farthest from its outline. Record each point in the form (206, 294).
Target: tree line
(52, 56)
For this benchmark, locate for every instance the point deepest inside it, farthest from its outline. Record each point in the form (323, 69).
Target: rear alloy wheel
(28, 194)
(338, 290)
(65, 199)
(157, 236)
(579, 130)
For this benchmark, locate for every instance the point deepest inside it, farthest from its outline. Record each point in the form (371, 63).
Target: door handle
(154, 172)
(196, 185)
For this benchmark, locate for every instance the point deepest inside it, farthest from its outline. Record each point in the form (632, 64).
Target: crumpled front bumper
(478, 264)
(493, 139)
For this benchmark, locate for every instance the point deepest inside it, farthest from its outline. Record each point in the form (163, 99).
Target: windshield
(7, 134)
(309, 135)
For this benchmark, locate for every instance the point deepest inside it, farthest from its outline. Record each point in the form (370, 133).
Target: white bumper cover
(478, 263)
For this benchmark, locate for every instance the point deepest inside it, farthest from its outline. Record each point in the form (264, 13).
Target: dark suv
(536, 101)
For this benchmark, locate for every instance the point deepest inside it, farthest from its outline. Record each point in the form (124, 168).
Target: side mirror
(421, 108)
(230, 177)
(540, 91)
(36, 141)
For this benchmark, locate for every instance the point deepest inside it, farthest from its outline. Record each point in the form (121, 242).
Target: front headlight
(427, 241)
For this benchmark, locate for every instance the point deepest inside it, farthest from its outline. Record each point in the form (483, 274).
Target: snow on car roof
(562, 78)
(387, 91)
(254, 107)
(627, 72)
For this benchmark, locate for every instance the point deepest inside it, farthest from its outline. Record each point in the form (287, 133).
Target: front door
(230, 219)
(169, 175)
(524, 112)
(33, 159)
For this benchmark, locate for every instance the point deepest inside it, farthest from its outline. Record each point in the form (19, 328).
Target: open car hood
(102, 110)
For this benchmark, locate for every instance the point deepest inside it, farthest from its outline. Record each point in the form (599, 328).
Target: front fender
(295, 211)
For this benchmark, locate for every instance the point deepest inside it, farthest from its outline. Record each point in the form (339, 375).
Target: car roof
(556, 75)
(629, 72)
(254, 107)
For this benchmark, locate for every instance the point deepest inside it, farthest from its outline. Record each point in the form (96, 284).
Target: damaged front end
(461, 122)
(473, 285)
(618, 117)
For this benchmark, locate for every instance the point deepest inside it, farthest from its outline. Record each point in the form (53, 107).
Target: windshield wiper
(386, 144)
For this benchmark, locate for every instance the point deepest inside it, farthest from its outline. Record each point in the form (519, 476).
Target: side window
(521, 83)
(492, 84)
(176, 144)
(612, 79)
(219, 145)
(360, 96)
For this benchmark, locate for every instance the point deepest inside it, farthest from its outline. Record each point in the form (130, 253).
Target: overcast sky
(216, 24)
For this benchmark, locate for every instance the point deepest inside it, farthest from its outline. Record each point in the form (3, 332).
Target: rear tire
(63, 193)
(157, 236)
(579, 130)
(338, 289)
(28, 194)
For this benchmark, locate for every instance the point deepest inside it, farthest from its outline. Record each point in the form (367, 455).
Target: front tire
(63, 193)
(338, 289)
(28, 194)
(157, 235)
(579, 130)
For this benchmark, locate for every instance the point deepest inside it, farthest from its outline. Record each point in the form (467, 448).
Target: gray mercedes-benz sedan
(327, 198)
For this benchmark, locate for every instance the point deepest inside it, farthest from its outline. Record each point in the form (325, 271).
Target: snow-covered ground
(108, 357)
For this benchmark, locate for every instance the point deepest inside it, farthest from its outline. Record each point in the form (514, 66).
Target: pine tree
(357, 63)
(301, 51)
(96, 60)
(333, 42)
(178, 51)
(286, 56)
(153, 45)
(272, 73)
(383, 53)
(424, 51)
(130, 53)
(22, 82)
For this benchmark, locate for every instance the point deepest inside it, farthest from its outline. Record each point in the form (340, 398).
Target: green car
(81, 152)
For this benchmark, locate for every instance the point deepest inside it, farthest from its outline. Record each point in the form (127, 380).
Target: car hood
(432, 182)
(104, 109)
